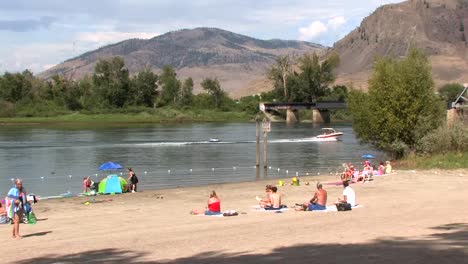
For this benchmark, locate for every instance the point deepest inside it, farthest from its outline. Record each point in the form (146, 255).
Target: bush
(445, 139)
(7, 109)
(31, 108)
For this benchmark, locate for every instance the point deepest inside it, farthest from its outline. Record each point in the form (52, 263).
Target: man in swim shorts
(319, 201)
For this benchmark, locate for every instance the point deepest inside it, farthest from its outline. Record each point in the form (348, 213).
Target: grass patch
(150, 116)
(449, 161)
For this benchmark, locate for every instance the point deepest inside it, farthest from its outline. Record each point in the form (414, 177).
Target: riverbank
(395, 224)
(151, 116)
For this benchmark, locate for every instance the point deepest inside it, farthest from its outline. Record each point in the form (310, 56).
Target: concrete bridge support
(292, 116)
(321, 116)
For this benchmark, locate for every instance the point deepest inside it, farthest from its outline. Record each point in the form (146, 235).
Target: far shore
(413, 216)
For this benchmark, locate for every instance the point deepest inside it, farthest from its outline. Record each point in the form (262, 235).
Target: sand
(409, 217)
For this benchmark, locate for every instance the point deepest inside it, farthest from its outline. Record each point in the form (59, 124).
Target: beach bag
(230, 213)
(31, 218)
(343, 207)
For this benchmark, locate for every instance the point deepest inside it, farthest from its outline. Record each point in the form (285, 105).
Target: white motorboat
(329, 133)
(213, 140)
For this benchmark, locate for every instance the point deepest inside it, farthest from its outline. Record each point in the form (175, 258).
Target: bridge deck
(298, 106)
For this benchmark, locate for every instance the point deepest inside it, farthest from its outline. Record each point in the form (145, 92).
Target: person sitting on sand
(267, 201)
(3, 215)
(381, 168)
(318, 202)
(388, 167)
(275, 200)
(86, 184)
(349, 196)
(213, 208)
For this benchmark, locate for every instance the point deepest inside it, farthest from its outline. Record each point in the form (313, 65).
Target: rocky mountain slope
(440, 27)
(238, 61)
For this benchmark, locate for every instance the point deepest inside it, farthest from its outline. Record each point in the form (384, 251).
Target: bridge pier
(321, 116)
(292, 116)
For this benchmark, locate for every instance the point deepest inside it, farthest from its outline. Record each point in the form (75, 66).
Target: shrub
(445, 139)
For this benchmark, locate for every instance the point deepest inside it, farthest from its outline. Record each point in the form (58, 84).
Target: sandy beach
(408, 217)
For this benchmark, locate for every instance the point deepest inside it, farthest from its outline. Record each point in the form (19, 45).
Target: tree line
(109, 87)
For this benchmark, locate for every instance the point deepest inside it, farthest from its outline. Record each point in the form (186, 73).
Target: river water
(53, 160)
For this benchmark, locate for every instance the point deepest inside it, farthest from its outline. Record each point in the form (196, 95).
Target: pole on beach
(266, 129)
(265, 148)
(257, 162)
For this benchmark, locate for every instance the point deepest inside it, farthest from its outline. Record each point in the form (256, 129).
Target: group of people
(92, 187)
(319, 200)
(368, 171)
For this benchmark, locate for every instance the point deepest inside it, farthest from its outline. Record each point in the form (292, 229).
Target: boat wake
(274, 141)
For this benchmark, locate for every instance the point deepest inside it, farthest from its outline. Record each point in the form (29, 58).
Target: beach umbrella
(367, 156)
(110, 166)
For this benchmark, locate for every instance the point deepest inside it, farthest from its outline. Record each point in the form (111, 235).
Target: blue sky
(37, 34)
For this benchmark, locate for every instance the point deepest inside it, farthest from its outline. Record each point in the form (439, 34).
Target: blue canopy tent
(112, 183)
(110, 166)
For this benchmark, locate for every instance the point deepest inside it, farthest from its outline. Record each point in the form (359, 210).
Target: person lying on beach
(318, 202)
(213, 208)
(267, 201)
(275, 200)
(349, 196)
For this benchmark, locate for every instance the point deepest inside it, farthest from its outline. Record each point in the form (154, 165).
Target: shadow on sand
(448, 244)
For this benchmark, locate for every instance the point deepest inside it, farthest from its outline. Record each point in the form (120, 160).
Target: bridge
(320, 110)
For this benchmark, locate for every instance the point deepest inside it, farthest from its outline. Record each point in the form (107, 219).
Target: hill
(238, 61)
(437, 26)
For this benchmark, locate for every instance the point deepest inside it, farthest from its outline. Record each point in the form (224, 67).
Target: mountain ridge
(238, 61)
(432, 25)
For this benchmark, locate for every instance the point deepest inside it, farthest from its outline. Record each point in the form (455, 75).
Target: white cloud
(312, 31)
(336, 22)
(112, 36)
(318, 28)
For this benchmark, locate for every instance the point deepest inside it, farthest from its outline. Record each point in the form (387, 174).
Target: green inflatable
(112, 184)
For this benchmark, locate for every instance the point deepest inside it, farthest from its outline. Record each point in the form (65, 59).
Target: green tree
(143, 88)
(316, 75)
(170, 86)
(111, 81)
(16, 86)
(449, 92)
(400, 107)
(186, 97)
(279, 74)
(213, 88)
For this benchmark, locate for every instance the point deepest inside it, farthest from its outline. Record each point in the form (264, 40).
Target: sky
(38, 34)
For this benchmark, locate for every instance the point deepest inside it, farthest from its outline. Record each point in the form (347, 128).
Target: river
(53, 159)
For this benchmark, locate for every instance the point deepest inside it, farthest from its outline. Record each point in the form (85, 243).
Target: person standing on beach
(319, 201)
(15, 200)
(133, 179)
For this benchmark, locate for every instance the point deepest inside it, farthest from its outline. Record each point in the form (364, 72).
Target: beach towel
(256, 208)
(332, 208)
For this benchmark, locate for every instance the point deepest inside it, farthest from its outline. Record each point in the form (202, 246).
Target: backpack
(343, 207)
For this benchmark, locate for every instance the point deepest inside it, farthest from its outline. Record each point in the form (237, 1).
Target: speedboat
(213, 140)
(329, 133)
